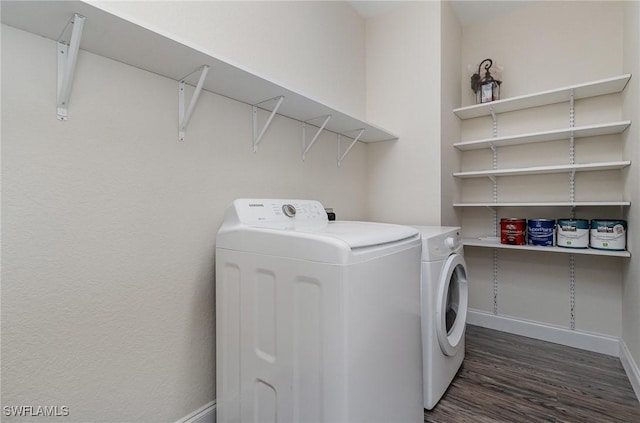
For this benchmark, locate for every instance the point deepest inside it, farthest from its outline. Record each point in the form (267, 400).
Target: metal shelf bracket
(494, 191)
(355, 140)
(572, 291)
(67, 59)
(257, 138)
(494, 117)
(493, 148)
(305, 147)
(495, 281)
(185, 117)
(572, 160)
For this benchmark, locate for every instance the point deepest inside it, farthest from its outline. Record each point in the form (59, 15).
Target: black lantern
(486, 88)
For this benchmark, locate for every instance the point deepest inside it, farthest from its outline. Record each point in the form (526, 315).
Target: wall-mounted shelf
(544, 136)
(544, 169)
(542, 98)
(493, 243)
(548, 204)
(109, 34)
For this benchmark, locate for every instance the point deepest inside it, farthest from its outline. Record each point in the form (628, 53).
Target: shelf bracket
(494, 117)
(572, 186)
(572, 119)
(494, 150)
(355, 140)
(185, 117)
(495, 281)
(257, 138)
(572, 291)
(572, 108)
(494, 158)
(496, 232)
(572, 160)
(67, 60)
(306, 148)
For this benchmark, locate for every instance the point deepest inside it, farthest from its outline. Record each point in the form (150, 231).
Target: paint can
(541, 232)
(608, 235)
(513, 231)
(573, 233)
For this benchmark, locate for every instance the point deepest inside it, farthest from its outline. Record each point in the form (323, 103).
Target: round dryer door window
(453, 297)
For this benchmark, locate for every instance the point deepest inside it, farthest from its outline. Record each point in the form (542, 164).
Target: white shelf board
(559, 95)
(491, 243)
(107, 33)
(544, 136)
(544, 169)
(548, 204)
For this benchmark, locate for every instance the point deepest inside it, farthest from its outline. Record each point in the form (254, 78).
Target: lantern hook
(476, 77)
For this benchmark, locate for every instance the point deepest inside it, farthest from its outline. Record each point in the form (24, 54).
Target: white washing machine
(444, 308)
(316, 321)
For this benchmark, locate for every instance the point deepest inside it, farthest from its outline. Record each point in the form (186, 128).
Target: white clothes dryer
(444, 296)
(316, 321)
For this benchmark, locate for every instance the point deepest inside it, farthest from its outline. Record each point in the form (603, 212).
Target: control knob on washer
(289, 210)
(450, 242)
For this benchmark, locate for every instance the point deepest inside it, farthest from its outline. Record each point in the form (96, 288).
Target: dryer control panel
(269, 212)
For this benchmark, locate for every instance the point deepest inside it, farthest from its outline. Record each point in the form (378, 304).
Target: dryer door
(451, 305)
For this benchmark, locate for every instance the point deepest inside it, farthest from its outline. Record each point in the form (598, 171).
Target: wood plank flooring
(510, 378)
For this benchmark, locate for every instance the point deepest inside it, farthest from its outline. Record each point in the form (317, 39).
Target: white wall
(109, 222)
(313, 47)
(403, 94)
(631, 282)
(543, 46)
(450, 91)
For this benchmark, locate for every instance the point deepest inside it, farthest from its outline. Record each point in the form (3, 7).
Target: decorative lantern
(486, 88)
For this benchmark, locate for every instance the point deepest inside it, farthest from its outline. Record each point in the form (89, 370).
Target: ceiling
(467, 11)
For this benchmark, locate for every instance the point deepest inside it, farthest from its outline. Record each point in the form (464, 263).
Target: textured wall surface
(109, 227)
(403, 91)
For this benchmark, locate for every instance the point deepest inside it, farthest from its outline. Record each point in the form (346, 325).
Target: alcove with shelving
(551, 154)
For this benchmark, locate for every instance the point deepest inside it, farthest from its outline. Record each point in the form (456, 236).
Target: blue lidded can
(541, 232)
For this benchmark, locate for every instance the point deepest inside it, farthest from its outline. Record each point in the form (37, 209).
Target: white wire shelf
(547, 204)
(544, 169)
(495, 243)
(542, 98)
(545, 136)
(110, 34)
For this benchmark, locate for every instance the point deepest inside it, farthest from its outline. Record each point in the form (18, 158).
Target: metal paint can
(541, 232)
(573, 233)
(608, 235)
(513, 231)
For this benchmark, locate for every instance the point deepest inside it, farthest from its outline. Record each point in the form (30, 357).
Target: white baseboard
(631, 368)
(204, 414)
(559, 335)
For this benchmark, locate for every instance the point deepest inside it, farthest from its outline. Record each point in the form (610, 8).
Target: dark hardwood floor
(510, 378)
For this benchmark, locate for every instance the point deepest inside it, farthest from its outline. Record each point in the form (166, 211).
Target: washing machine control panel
(442, 246)
(452, 242)
(269, 212)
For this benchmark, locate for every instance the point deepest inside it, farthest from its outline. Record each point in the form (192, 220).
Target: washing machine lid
(362, 234)
(271, 227)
